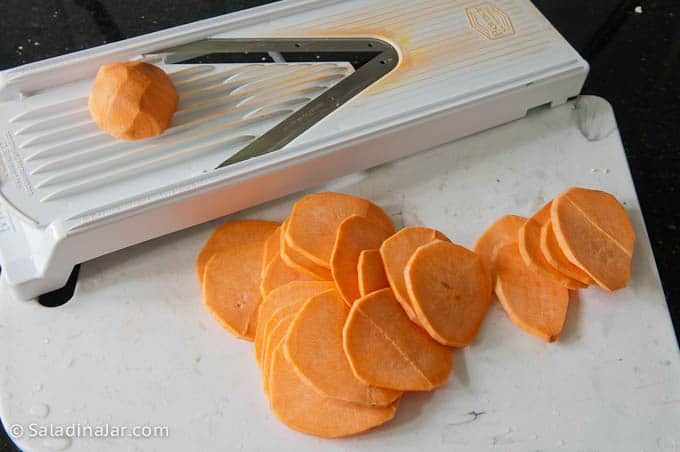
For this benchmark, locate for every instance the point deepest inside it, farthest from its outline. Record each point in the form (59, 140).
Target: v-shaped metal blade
(382, 59)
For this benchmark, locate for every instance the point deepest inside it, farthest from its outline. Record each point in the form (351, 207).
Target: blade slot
(371, 58)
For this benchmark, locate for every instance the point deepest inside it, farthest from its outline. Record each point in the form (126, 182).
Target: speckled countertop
(633, 48)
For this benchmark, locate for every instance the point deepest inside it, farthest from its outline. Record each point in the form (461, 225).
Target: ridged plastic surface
(62, 163)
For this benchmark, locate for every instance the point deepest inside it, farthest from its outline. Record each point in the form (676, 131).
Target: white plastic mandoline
(71, 193)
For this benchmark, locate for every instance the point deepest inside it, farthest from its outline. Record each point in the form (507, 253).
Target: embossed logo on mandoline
(490, 21)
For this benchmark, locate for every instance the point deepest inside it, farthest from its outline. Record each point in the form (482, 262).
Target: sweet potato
(231, 289)
(595, 234)
(501, 232)
(450, 291)
(271, 248)
(278, 330)
(299, 261)
(336, 355)
(530, 250)
(301, 408)
(604, 211)
(282, 296)
(552, 252)
(132, 100)
(314, 220)
(278, 273)
(231, 234)
(355, 234)
(273, 321)
(395, 253)
(314, 348)
(387, 350)
(535, 304)
(370, 272)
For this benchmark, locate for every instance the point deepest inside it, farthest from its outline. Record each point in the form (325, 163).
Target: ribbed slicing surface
(221, 108)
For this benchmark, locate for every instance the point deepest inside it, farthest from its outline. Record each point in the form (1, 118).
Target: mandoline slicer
(273, 100)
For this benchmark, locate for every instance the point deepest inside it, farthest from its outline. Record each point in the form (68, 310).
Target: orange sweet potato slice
(501, 232)
(314, 221)
(595, 234)
(450, 291)
(530, 250)
(355, 234)
(552, 252)
(282, 296)
(605, 211)
(271, 248)
(299, 261)
(395, 253)
(231, 289)
(278, 330)
(314, 348)
(302, 408)
(535, 304)
(278, 273)
(387, 350)
(274, 321)
(370, 272)
(230, 234)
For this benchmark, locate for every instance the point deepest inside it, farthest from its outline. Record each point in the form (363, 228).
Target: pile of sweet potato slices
(346, 313)
(580, 238)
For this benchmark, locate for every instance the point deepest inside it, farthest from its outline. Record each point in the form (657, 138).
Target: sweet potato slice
(302, 408)
(230, 234)
(450, 291)
(529, 240)
(271, 248)
(314, 220)
(395, 253)
(278, 273)
(294, 259)
(314, 348)
(278, 330)
(501, 232)
(355, 234)
(387, 350)
(604, 211)
(370, 272)
(535, 304)
(274, 320)
(282, 296)
(595, 234)
(231, 288)
(552, 252)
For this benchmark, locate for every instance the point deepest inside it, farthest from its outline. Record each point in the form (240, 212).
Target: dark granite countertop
(633, 47)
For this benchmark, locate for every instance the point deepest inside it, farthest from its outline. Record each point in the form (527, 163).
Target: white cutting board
(136, 347)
